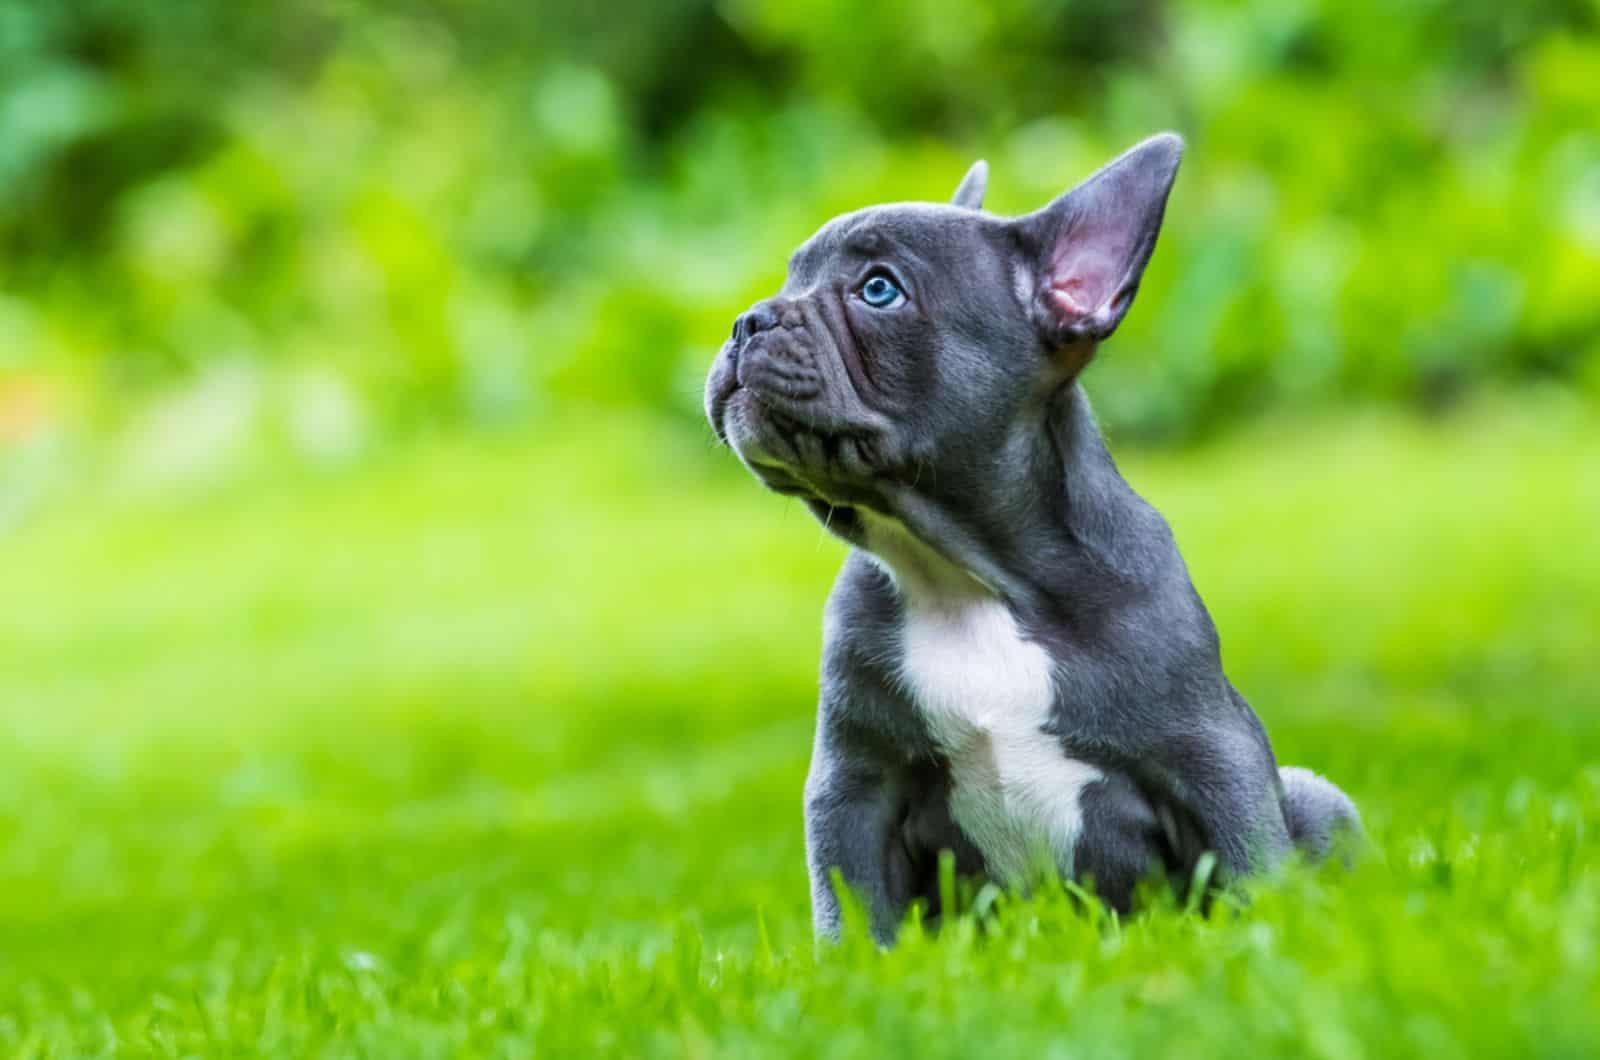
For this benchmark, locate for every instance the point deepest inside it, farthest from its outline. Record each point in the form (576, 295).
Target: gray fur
(957, 415)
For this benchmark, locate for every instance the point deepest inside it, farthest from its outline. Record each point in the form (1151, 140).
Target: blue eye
(880, 292)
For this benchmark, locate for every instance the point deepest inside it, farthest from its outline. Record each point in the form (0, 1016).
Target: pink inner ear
(1081, 284)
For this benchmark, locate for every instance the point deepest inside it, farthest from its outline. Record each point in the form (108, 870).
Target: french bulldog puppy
(1016, 667)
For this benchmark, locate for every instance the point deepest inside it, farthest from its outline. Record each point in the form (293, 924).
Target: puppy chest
(985, 693)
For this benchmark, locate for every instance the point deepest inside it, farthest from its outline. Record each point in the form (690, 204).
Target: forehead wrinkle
(900, 232)
(868, 244)
(886, 247)
(863, 235)
(869, 234)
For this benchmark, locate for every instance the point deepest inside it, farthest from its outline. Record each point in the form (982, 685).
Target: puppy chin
(838, 518)
(760, 445)
(765, 443)
(744, 427)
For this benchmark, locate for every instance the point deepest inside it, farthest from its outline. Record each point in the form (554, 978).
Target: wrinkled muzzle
(772, 356)
(782, 396)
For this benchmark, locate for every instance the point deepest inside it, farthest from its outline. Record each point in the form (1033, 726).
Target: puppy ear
(1091, 245)
(969, 195)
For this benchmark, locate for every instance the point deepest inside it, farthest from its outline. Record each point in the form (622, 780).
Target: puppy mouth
(781, 402)
(768, 405)
(766, 430)
(723, 385)
(718, 409)
(783, 454)
(766, 438)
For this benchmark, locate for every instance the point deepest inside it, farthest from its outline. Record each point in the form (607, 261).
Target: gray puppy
(1016, 667)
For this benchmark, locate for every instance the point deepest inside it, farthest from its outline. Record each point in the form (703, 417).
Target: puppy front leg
(853, 825)
(1235, 796)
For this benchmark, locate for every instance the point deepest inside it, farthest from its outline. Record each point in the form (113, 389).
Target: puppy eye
(880, 292)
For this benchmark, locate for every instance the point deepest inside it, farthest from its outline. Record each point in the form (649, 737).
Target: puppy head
(910, 339)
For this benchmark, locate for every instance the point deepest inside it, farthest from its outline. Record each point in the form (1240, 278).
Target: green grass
(494, 746)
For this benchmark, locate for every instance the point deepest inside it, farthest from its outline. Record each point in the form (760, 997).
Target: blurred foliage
(417, 212)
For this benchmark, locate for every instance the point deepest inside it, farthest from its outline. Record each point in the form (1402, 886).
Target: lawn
(493, 745)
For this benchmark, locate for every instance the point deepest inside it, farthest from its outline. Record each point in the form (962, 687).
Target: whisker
(826, 523)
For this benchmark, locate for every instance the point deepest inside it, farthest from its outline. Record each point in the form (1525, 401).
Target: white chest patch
(985, 692)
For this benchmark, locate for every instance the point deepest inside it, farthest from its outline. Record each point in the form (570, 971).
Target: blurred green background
(391, 665)
(359, 217)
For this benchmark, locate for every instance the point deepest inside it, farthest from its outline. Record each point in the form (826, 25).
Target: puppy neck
(1050, 516)
(926, 577)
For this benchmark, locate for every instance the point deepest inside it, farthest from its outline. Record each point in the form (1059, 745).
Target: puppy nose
(763, 316)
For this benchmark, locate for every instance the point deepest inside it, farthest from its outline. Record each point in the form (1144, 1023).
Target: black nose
(762, 316)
